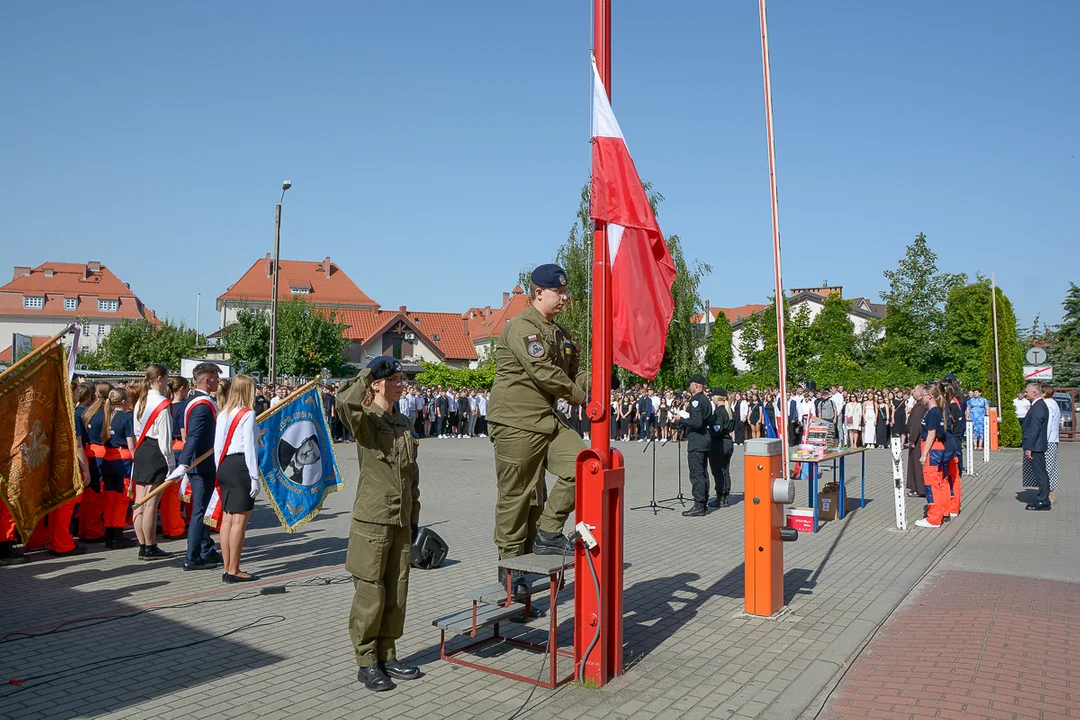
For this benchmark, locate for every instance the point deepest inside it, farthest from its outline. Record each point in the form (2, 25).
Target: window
(435, 337)
(108, 305)
(300, 290)
(33, 303)
(100, 330)
(85, 330)
(71, 303)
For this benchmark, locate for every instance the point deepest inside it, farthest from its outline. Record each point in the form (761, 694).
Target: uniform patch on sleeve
(694, 403)
(536, 348)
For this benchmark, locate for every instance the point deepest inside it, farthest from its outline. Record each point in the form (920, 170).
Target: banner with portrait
(296, 458)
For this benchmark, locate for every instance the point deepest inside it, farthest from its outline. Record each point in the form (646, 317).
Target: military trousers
(523, 503)
(699, 475)
(378, 559)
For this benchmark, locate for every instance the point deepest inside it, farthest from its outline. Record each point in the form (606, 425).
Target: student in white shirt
(237, 474)
(1022, 405)
(154, 459)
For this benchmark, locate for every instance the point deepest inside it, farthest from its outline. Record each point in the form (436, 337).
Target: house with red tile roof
(320, 282)
(486, 325)
(411, 336)
(42, 300)
(733, 314)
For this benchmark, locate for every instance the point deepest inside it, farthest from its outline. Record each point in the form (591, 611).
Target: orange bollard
(993, 429)
(765, 493)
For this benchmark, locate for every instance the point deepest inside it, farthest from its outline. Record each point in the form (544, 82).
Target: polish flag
(642, 271)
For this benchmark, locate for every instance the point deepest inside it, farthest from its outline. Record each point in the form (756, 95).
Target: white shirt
(806, 408)
(655, 400)
(243, 440)
(1053, 425)
(482, 402)
(275, 401)
(1022, 406)
(838, 403)
(161, 430)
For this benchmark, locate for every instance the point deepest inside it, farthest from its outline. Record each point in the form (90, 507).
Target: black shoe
(698, 510)
(77, 550)
(153, 552)
(724, 502)
(518, 585)
(231, 579)
(121, 542)
(199, 565)
(1038, 506)
(375, 679)
(716, 502)
(548, 543)
(9, 556)
(400, 671)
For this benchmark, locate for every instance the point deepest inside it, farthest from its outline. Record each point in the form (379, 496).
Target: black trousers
(720, 464)
(1038, 465)
(699, 475)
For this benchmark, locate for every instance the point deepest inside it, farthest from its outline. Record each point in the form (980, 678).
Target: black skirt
(150, 465)
(235, 484)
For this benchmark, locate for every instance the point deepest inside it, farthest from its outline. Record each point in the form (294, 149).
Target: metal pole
(997, 358)
(782, 430)
(274, 294)
(601, 301)
(198, 303)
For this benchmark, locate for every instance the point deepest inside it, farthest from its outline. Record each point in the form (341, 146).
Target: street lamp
(274, 289)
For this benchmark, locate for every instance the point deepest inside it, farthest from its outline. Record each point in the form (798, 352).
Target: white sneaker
(924, 523)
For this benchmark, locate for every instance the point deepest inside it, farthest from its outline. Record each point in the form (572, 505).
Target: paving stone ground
(993, 631)
(156, 642)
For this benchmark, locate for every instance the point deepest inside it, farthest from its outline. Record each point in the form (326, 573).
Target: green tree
(310, 339)
(1012, 369)
(1063, 351)
(915, 301)
(135, 344)
(833, 336)
(719, 356)
(967, 315)
(799, 345)
(575, 256)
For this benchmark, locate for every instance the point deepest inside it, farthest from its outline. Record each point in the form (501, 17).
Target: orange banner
(39, 467)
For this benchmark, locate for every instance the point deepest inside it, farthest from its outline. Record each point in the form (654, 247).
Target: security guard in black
(697, 420)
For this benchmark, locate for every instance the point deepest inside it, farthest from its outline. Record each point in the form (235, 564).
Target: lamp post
(274, 288)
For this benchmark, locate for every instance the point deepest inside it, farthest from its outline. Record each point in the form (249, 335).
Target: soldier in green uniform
(385, 519)
(536, 364)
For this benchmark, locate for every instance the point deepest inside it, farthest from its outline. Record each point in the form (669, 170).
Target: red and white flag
(642, 271)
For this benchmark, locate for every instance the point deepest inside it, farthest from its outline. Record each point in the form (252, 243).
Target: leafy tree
(310, 339)
(915, 300)
(1012, 369)
(89, 359)
(1063, 351)
(832, 330)
(799, 345)
(135, 344)
(967, 315)
(478, 378)
(719, 357)
(575, 256)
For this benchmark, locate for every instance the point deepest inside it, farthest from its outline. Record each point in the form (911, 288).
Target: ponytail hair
(178, 385)
(117, 398)
(101, 400)
(938, 396)
(153, 373)
(83, 392)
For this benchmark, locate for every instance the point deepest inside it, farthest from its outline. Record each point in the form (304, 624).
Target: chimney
(93, 266)
(48, 272)
(506, 298)
(326, 264)
(402, 310)
(20, 271)
(465, 326)
(487, 311)
(269, 265)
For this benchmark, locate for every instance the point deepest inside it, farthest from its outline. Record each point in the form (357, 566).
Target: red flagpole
(782, 429)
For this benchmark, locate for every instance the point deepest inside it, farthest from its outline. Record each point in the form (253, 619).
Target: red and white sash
(214, 511)
(164, 404)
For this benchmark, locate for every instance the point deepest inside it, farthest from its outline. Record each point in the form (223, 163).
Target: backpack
(827, 411)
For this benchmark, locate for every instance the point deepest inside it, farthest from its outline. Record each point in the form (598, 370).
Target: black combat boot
(548, 543)
(375, 679)
(698, 510)
(518, 586)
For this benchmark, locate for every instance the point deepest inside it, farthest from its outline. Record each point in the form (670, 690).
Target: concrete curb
(814, 684)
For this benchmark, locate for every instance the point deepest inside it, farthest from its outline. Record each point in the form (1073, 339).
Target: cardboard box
(829, 501)
(801, 519)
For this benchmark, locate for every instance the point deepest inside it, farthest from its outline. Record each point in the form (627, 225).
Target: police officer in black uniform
(721, 447)
(697, 419)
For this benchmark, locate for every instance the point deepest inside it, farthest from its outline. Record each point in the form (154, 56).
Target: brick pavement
(992, 632)
(689, 654)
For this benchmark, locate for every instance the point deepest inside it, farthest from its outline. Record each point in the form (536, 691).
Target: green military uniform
(536, 364)
(386, 508)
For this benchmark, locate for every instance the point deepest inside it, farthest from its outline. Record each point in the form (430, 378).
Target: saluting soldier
(697, 419)
(385, 520)
(536, 365)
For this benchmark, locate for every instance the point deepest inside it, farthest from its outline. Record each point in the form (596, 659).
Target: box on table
(799, 518)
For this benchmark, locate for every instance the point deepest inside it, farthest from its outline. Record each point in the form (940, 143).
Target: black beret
(697, 378)
(548, 276)
(383, 367)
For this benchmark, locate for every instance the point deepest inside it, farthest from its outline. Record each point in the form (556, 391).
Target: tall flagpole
(782, 430)
(600, 433)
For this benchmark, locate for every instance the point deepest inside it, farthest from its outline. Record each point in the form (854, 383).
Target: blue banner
(296, 458)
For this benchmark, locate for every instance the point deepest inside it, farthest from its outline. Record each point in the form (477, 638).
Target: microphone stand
(678, 442)
(653, 505)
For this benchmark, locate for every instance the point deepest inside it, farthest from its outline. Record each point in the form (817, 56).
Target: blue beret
(549, 276)
(383, 367)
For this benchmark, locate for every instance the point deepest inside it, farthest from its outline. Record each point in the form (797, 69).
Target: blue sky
(436, 148)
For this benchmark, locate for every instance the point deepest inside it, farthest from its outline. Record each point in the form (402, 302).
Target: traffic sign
(1038, 372)
(1036, 356)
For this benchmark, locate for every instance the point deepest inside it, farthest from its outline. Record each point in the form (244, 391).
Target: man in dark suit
(1034, 444)
(915, 483)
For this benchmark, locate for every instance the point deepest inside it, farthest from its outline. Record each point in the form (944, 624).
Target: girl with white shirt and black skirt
(153, 459)
(237, 473)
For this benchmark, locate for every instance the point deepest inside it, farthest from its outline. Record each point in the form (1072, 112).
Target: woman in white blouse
(237, 473)
(853, 416)
(153, 459)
